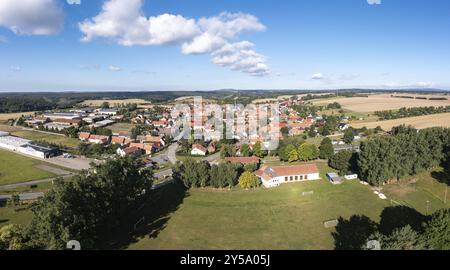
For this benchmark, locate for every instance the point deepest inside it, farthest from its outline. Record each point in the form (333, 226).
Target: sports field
(381, 102)
(17, 168)
(420, 122)
(280, 218)
(426, 192)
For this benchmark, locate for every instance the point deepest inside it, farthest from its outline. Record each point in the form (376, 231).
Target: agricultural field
(16, 168)
(420, 122)
(7, 116)
(381, 102)
(8, 128)
(50, 138)
(115, 102)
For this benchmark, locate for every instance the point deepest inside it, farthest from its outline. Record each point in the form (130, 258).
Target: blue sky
(205, 44)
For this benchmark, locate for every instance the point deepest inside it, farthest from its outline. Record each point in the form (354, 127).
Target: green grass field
(121, 127)
(9, 216)
(54, 139)
(424, 192)
(280, 218)
(17, 168)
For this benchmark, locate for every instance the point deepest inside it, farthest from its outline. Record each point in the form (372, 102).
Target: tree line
(201, 174)
(410, 112)
(400, 228)
(407, 152)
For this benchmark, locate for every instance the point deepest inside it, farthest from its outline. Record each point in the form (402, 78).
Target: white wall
(271, 183)
(197, 152)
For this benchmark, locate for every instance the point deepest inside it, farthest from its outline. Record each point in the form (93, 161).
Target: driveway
(78, 163)
(172, 153)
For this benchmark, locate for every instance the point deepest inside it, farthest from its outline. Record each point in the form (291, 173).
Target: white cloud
(123, 22)
(114, 68)
(16, 69)
(317, 76)
(74, 2)
(240, 56)
(32, 17)
(374, 2)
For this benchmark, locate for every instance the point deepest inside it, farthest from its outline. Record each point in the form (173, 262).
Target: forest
(410, 112)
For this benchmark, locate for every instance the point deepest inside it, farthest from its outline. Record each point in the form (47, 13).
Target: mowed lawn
(426, 192)
(50, 138)
(16, 168)
(280, 218)
(121, 127)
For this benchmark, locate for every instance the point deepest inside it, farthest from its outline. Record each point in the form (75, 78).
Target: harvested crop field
(420, 122)
(383, 102)
(7, 116)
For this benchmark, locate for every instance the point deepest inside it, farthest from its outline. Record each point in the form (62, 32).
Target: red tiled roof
(153, 139)
(84, 135)
(243, 160)
(116, 139)
(199, 147)
(99, 137)
(130, 150)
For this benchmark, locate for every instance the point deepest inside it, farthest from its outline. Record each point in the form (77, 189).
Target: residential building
(98, 139)
(198, 150)
(129, 151)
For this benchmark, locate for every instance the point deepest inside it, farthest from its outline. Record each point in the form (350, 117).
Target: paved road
(29, 183)
(172, 152)
(25, 196)
(164, 173)
(213, 158)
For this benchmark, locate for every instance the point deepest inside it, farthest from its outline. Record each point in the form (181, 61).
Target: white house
(277, 175)
(198, 150)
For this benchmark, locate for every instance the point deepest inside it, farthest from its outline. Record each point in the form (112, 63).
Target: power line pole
(445, 198)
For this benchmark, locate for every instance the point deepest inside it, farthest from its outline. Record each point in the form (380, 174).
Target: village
(152, 131)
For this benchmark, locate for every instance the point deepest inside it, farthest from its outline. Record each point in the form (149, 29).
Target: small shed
(334, 178)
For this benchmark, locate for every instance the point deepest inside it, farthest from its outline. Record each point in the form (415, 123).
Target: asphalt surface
(25, 196)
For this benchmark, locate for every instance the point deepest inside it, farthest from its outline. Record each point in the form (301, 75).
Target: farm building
(40, 151)
(12, 143)
(27, 147)
(61, 115)
(198, 150)
(109, 112)
(277, 175)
